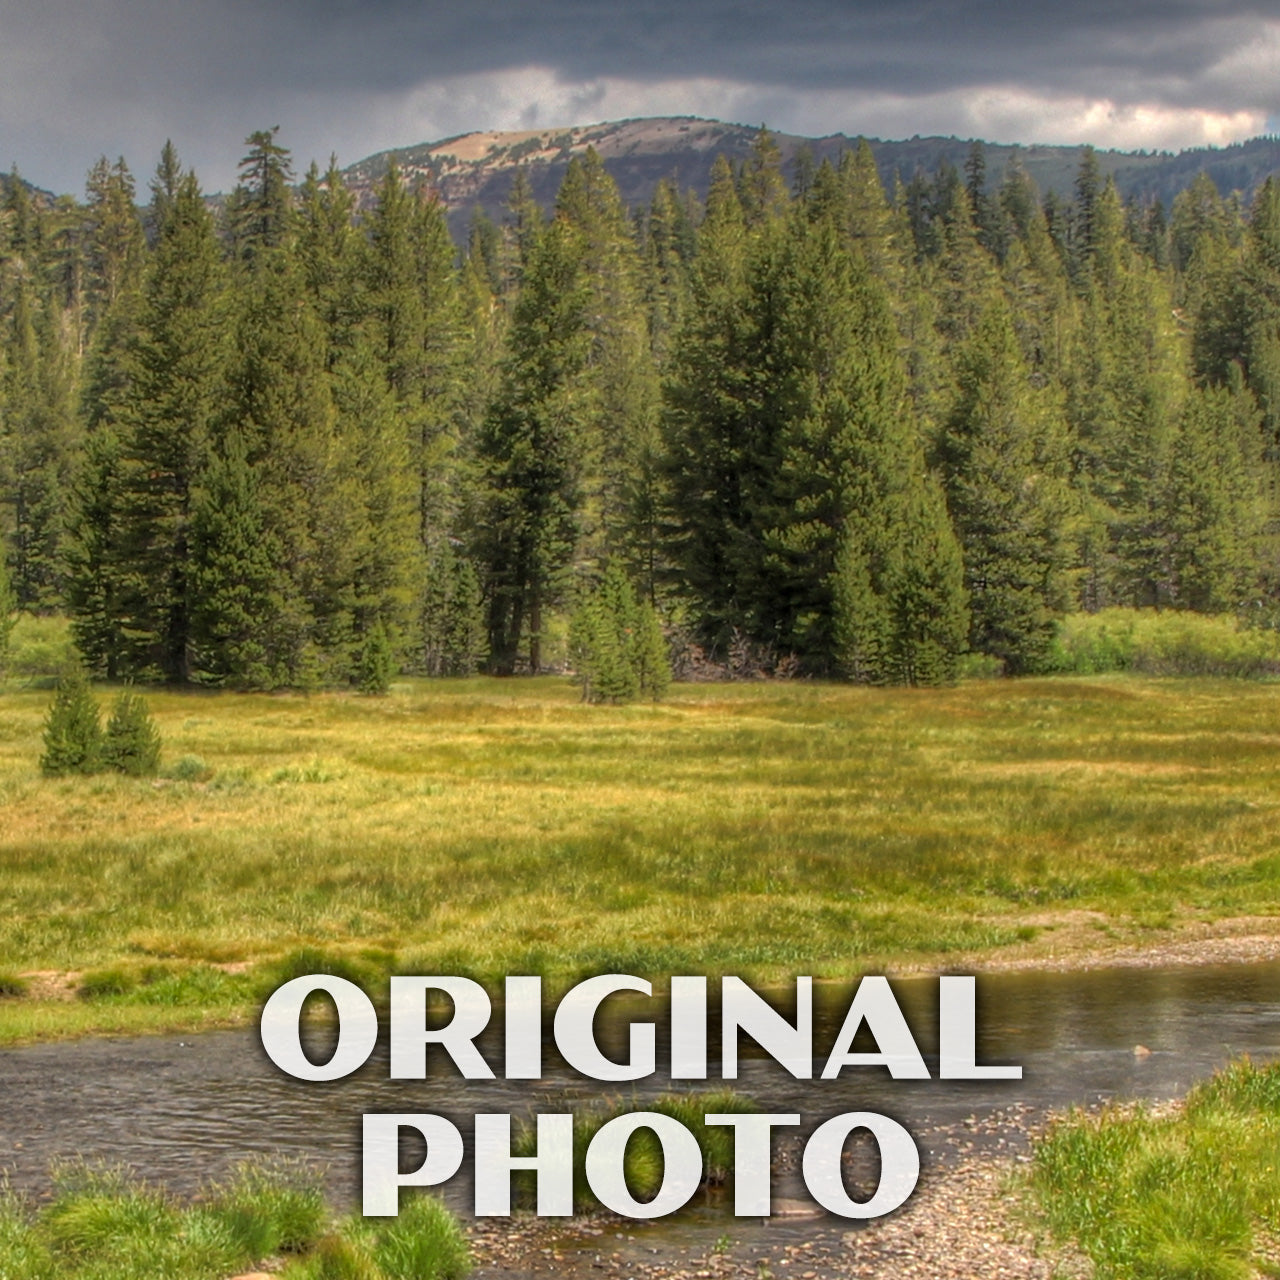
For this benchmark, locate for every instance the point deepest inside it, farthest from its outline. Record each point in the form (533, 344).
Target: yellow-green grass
(1192, 1193)
(491, 827)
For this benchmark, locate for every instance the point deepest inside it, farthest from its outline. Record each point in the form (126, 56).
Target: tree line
(294, 441)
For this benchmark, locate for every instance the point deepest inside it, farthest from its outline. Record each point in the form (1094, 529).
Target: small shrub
(73, 730)
(132, 742)
(189, 769)
(1164, 643)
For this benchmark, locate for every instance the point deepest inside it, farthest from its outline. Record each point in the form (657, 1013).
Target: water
(181, 1109)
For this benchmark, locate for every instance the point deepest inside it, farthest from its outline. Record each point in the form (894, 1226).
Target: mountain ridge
(475, 170)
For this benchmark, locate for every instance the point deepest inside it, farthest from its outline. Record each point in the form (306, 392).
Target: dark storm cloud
(113, 75)
(911, 46)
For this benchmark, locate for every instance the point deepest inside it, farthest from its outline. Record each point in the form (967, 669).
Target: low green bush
(40, 647)
(1164, 643)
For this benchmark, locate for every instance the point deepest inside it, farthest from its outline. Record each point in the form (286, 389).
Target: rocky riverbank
(964, 1221)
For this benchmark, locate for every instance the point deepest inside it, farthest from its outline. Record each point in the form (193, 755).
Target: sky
(350, 77)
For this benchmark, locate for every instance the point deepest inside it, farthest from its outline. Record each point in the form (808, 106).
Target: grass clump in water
(643, 1165)
(1186, 1195)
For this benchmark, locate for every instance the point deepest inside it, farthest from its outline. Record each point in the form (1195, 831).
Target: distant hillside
(477, 169)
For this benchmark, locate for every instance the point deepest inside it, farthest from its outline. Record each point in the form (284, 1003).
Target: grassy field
(488, 827)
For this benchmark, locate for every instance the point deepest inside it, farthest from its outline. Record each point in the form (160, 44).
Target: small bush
(132, 742)
(73, 730)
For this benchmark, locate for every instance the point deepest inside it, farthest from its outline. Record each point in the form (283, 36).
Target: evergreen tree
(131, 743)
(114, 232)
(280, 399)
(453, 617)
(1216, 501)
(531, 449)
(652, 659)
(377, 662)
(96, 566)
(176, 393)
(259, 212)
(1004, 461)
(72, 730)
(234, 579)
(616, 644)
(38, 440)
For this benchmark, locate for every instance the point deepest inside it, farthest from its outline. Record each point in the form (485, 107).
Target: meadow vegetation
(102, 1224)
(486, 827)
(1185, 1193)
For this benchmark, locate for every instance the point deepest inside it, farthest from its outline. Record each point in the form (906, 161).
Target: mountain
(476, 169)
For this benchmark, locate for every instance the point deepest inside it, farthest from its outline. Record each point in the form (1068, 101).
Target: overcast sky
(114, 77)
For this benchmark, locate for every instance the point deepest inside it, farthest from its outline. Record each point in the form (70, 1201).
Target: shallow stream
(182, 1109)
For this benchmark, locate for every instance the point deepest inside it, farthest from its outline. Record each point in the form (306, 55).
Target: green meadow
(495, 826)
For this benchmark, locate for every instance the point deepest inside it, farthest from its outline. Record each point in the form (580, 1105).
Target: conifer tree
(260, 210)
(377, 662)
(234, 575)
(96, 565)
(616, 643)
(176, 392)
(531, 449)
(131, 742)
(115, 239)
(38, 436)
(1217, 500)
(1004, 461)
(453, 618)
(72, 730)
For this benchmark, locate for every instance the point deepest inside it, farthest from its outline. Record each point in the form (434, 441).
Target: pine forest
(290, 440)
